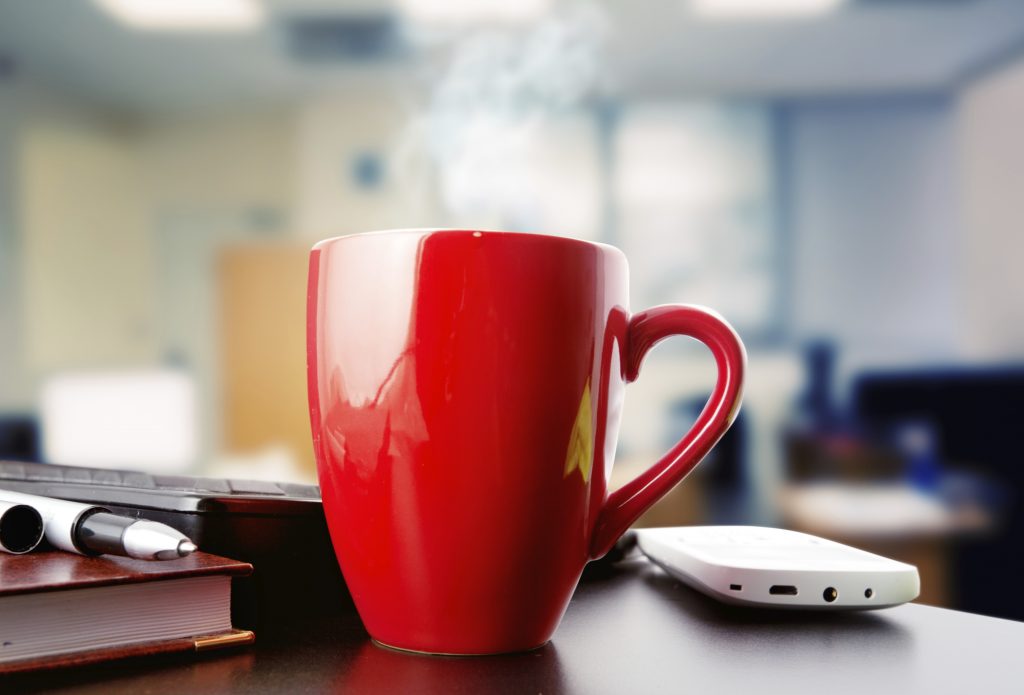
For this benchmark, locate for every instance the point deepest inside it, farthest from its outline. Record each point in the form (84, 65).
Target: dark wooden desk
(629, 630)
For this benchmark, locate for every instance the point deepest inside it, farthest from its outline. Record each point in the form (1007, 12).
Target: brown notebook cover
(56, 571)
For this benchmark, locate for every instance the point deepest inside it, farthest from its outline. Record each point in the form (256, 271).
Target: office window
(696, 209)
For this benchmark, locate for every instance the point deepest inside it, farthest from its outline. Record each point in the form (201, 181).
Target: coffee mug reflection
(404, 672)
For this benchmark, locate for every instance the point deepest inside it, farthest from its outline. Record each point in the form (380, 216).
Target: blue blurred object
(368, 170)
(817, 405)
(916, 441)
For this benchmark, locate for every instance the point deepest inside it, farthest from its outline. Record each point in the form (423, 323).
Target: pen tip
(186, 548)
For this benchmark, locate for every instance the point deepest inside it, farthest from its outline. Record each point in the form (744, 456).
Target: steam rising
(499, 91)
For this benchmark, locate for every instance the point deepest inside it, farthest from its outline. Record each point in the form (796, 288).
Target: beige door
(263, 315)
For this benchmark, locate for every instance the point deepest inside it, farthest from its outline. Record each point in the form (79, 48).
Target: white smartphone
(774, 568)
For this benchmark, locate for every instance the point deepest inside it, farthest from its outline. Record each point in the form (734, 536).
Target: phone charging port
(782, 590)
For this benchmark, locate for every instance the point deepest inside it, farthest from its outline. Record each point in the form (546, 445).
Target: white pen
(90, 530)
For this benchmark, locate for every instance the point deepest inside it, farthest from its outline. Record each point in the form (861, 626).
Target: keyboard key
(301, 490)
(138, 480)
(84, 477)
(45, 472)
(175, 482)
(106, 478)
(255, 487)
(212, 485)
(78, 475)
(12, 471)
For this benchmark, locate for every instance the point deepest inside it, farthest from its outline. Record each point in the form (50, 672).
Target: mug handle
(625, 505)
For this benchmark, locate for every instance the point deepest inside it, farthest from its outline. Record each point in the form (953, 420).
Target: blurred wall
(874, 225)
(231, 162)
(87, 270)
(991, 118)
(348, 178)
(75, 301)
(10, 311)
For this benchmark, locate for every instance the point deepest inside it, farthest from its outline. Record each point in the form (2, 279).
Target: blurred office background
(843, 180)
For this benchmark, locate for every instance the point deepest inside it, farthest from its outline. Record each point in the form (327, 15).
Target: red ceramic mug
(465, 389)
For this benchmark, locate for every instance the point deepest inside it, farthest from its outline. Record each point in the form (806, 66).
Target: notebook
(61, 609)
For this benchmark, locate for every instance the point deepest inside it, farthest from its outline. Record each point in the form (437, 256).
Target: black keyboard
(105, 486)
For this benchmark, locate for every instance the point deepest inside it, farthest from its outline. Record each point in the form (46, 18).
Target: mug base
(421, 652)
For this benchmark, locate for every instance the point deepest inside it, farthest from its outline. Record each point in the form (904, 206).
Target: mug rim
(425, 230)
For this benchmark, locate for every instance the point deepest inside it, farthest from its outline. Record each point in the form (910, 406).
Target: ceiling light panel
(761, 9)
(185, 15)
